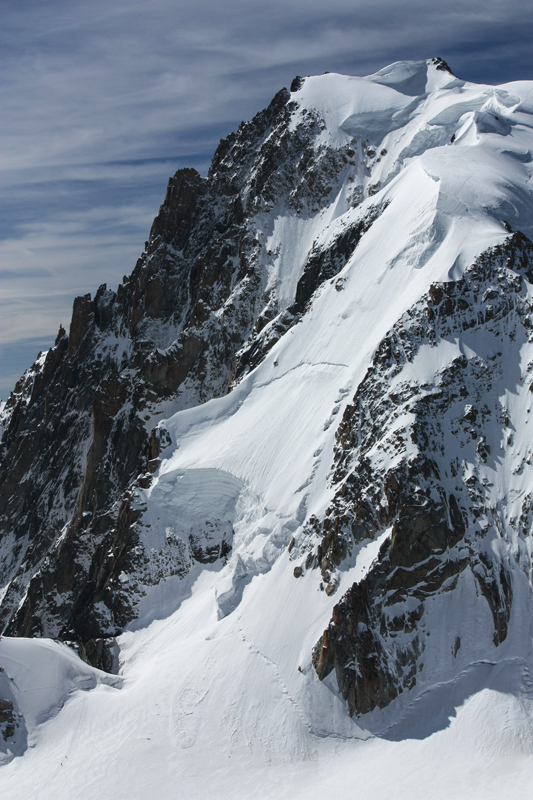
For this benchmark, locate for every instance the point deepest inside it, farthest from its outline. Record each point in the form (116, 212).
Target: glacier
(277, 491)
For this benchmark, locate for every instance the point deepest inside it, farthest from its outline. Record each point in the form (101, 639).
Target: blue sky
(103, 101)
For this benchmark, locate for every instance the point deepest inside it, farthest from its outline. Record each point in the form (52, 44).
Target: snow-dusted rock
(288, 465)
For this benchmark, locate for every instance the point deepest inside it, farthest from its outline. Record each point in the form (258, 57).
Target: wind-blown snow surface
(218, 696)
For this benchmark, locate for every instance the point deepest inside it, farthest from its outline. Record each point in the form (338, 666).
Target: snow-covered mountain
(277, 490)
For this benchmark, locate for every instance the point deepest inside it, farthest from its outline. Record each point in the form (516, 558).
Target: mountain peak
(282, 477)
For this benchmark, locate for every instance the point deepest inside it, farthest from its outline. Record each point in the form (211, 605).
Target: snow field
(219, 698)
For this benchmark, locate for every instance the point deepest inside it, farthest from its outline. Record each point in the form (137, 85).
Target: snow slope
(183, 725)
(218, 696)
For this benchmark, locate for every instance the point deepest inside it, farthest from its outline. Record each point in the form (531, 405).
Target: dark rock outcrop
(81, 426)
(436, 510)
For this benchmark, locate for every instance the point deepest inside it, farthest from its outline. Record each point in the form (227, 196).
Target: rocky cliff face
(80, 427)
(323, 359)
(408, 467)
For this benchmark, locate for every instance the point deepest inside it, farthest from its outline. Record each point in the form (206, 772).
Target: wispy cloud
(102, 101)
(52, 260)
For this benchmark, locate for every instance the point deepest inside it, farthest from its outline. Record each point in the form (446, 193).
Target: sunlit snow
(216, 696)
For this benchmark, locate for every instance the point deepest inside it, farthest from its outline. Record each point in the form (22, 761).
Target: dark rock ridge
(80, 428)
(442, 518)
(322, 264)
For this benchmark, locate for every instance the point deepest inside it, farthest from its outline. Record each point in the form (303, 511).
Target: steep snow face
(276, 429)
(334, 556)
